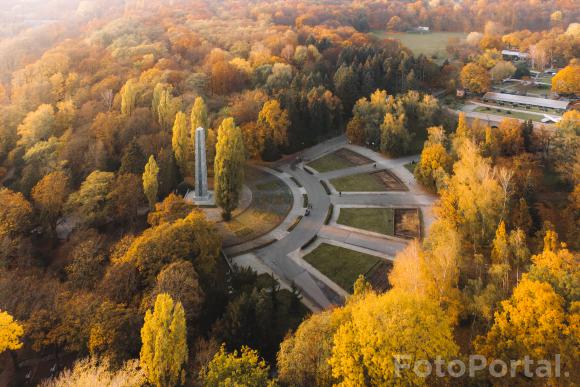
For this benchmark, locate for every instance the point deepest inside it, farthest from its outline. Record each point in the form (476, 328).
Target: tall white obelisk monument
(201, 195)
(200, 165)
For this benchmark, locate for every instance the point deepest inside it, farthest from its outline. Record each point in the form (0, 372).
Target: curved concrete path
(279, 252)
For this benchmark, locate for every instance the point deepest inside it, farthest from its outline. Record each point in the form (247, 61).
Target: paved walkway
(280, 252)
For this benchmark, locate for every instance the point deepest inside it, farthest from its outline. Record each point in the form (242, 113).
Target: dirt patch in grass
(341, 265)
(353, 157)
(390, 180)
(407, 223)
(378, 276)
(380, 220)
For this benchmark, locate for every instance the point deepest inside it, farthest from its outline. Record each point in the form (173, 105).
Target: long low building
(510, 54)
(521, 100)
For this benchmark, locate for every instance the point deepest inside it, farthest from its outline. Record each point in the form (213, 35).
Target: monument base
(205, 201)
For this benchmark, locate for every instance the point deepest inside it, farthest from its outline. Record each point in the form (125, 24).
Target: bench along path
(282, 256)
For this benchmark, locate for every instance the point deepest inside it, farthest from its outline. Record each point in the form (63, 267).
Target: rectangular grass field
(362, 182)
(341, 265)
(380, 220)
(430, 44)
(330, 162)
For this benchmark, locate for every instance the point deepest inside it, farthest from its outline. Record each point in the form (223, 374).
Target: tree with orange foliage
(434, 163)
(567, 80)
(475, 78)
(511, 140)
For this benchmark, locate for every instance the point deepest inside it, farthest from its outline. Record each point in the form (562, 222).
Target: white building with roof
(513, 55)
(525, 101)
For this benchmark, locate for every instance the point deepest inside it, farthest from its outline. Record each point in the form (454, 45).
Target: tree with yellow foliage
(180, 143)
(244, 368)
(434, 164)
(193, 239)
(164, 350)
(557, 266)
(475, 78)
(273, 126)
(49, 196)
(473, 198)
(10, 332)
(303, 356)
(129, 97)
(37, 126)
(198, 117)
(150, 181)
(229, 167)
(510, 136)
(531, 323)
(93, 371)
(381, 327)
(567, 80)
(164, 105)
(15, 213)
(432, 272)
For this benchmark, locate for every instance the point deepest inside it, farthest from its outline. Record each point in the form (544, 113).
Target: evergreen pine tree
(133, 159)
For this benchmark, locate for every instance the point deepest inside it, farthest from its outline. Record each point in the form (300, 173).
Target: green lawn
(362, 182)
(430, 44)
(271, 202)
(341, 265)
(381, 220)
(520, 115)
(330, 162)
(410, 167)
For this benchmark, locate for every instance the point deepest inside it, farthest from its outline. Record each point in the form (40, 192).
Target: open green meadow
(430, 44)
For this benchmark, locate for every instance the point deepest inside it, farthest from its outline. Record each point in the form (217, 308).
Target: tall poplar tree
(167, 108)
(164, 350)
(199, 117)
(150, 181)
(273, 123)
(229, 167)
(180, 142)
(128, 97)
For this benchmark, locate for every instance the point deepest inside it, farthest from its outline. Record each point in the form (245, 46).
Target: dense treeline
(493, 269)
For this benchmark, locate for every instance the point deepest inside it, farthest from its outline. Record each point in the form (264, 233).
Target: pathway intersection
(280, 252)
